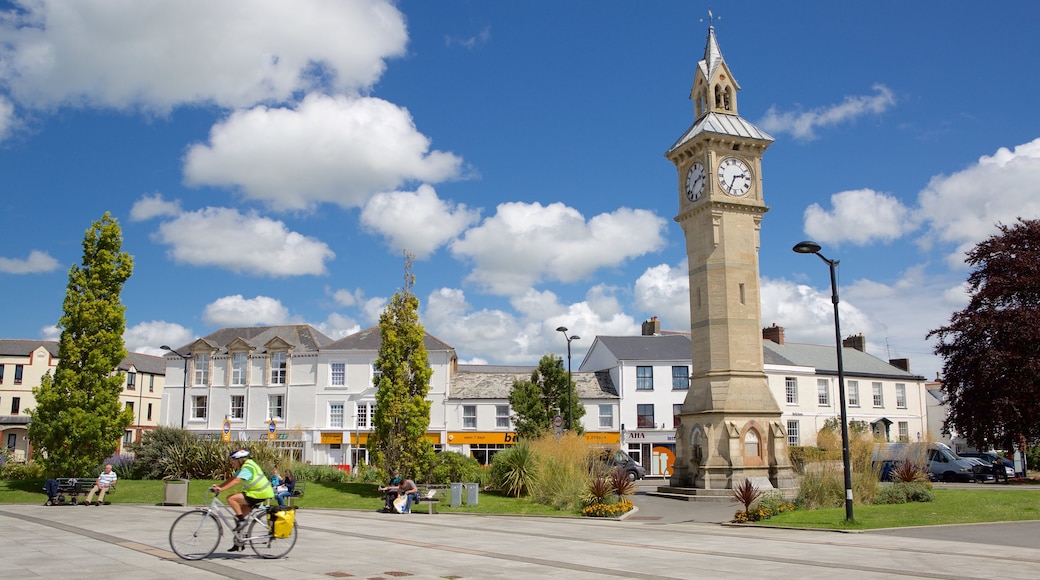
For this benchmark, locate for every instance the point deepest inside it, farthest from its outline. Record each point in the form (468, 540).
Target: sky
(269, 162)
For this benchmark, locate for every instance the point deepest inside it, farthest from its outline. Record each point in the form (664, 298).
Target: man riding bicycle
(256, 487)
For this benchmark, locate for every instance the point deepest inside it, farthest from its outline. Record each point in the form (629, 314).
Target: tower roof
(713, 58)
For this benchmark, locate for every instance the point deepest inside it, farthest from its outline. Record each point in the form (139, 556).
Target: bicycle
(196, 534)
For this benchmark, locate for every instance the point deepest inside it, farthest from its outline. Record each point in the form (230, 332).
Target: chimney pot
(774, 333)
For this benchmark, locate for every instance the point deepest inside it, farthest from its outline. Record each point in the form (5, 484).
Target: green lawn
(951, 506)
(363, 496)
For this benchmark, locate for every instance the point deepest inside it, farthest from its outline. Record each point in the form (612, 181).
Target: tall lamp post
(809, 247)
(184, 390)
(570, 386)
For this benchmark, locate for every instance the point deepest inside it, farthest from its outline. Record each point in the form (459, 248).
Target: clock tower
(731, 427)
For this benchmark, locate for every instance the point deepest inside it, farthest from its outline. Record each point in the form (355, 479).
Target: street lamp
(185, 389)
(570, 386)
(809, 247)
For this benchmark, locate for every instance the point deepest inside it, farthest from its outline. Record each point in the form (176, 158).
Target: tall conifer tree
(78, 419)
(402, 414)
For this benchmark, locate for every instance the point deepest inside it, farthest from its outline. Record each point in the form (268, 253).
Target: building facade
(23, 364)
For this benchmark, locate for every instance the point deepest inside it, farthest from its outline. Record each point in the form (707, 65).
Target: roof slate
(723, 124)
(655, 347)
(19, 347)
(496, 382)
(303, 337)
(825, 360)
(370, 339)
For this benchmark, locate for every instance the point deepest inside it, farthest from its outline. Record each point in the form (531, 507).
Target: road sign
(272, 430)
(225, 435)
(557, 421)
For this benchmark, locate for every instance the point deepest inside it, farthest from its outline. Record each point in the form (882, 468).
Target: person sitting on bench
(391, 490)
(105, 481)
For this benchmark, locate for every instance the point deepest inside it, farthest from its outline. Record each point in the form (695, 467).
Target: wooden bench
(72, 487)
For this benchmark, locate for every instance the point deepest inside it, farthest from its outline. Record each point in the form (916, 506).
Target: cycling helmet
(239, 454)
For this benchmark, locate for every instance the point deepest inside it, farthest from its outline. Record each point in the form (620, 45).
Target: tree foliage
(402, 413)
(79, 420)
(536, 402)
(991, 349)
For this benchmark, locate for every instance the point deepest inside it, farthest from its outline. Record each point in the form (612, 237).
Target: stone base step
(719, 495)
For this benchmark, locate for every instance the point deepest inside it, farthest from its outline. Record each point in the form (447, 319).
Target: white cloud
(153, 206)
(368, 308)
(156, 54)
(526, 243)
(522, 338)
(803, 125)
(419, 222)
(965, 207)
(147, 337)
(333, 149)
(238, 311)
(861, 216)
(7, 120)
(479, 39)
(247, 244)
(664, 292)
(337, 326)
(36, 263)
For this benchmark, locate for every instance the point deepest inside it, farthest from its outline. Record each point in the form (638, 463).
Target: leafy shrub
(905, 492)
(449, 466)
(513, 469)
(369, 474)
(621, 485)
(767, 507)
(908, 472)
(746, 493)
(170, 452)
(321, 473)
(14, 471)
(124, 466)
(598, 491)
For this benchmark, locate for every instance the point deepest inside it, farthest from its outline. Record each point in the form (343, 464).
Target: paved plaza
(665, 539)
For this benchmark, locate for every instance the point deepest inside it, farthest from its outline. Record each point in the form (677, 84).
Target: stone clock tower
(731, 427)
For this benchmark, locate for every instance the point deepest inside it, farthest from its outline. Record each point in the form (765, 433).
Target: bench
(429, 497)
(70, 488)
(298, 490)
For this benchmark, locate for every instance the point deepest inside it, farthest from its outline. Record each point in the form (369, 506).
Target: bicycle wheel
(263, 542)
(195, 534)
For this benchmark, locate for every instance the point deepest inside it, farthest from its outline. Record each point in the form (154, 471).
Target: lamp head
(807, 247)
(575, 337)
(165, 347)
(561, 329)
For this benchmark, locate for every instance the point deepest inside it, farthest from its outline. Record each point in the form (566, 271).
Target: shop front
(654, 450)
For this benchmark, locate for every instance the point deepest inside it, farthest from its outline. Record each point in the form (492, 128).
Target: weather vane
(711, 18)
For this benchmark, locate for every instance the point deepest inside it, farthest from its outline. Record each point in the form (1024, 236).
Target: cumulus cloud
(523, 337)
(803, 125)
(861, 216)
(965, 207)
(248, 244)
(334, 149)
(337, 326)
(238, 311)
(369, 308)
(36, 263)
(153, 206)
(419, 221)
(7, 120)
(664, 292)
(526, 243)
(156, 55)
(147, 337)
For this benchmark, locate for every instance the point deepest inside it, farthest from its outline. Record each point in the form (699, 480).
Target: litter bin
(471, 493)
(456, 494)
(175, 492)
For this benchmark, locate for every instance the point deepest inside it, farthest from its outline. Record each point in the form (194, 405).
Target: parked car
(989, 457)
(618, 459)
(941, 463)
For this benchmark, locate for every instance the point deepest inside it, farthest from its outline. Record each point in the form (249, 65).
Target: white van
(942, 463)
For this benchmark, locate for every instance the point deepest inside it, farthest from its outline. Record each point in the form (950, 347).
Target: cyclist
(256, 488)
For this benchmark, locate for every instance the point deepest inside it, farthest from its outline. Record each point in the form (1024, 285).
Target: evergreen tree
(536, 402)
(79, 420)
(402, 414)
(991, 349)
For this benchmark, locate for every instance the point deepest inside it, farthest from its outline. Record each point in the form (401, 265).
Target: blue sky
(268, 161)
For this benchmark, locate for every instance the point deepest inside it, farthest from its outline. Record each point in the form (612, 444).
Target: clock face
(734, 176)
(695, 182)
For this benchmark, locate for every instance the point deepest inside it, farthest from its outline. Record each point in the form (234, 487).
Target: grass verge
(363, 496)
(951, 506)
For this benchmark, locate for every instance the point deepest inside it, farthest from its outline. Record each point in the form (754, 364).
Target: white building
(652, 372)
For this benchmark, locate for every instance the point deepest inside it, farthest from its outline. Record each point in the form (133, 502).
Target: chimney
(651, 327)
(900, 363)
(856, 341)
(774, 333)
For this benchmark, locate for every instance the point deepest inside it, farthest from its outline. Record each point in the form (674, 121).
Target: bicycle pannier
(282, 520)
